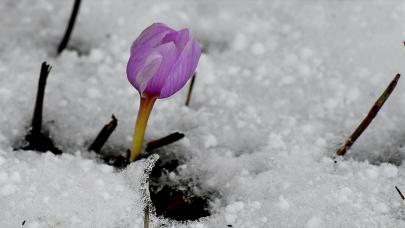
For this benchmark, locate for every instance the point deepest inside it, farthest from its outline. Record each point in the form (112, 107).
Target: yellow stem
(145, 108)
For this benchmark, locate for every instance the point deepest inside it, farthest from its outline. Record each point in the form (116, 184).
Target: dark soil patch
(181, 200)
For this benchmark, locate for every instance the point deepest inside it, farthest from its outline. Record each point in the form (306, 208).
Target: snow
(283, 203)
(314, 222)
(66, 191)
(280, 86)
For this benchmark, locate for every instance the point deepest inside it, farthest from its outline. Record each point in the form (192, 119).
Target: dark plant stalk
(35, 139)
(190, 89)
(70, 26)
(146, 218)
(103, 136)
(400, 193)
(370, 116)
(39, 103)
(152, 145)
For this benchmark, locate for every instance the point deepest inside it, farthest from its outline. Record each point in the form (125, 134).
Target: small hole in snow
(175, 196)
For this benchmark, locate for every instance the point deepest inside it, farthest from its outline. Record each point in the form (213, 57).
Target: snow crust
(280, 86)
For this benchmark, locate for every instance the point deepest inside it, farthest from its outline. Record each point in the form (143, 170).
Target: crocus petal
(141, 68)
(136, 63)
(168, 52)
(150, 37)
(182, 69)
(151, 67)
(162, 60)
(179, 38)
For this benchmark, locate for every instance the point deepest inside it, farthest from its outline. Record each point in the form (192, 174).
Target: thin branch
(104, 134)
(146, 218)
(70, 26)
(400, 193)
(370, 116)
(164, 141)
(35, 138)
(190, 89)
(39, 103)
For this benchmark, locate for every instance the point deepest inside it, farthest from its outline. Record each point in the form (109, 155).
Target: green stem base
(145, 108)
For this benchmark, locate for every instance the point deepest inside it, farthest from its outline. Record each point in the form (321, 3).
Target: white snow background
(280, 87)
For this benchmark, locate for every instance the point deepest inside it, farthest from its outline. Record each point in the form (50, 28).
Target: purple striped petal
(168, 52)
(135, 64)
(182, 70)
(162, 60)
(151, 67)
(150, 37)
(142, 64)
(179, 38)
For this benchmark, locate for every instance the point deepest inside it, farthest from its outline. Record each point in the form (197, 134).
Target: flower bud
(162, 60)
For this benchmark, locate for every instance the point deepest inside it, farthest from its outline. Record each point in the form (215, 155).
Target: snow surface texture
(281, 85)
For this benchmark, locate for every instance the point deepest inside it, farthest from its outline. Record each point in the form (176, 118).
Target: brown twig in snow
(39, 102)
(104, 134)
(146, 217)
(35, 138)
(400, 193)
(370, 116)
(70, 26)
(190, 89)
(164, 141)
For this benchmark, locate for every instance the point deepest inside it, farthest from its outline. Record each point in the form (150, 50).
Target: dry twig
(35, 138)
(146, 218)
(400, 193)
(104, 134)
(70, 26)
(370, 116)
(190, 89)
(164, 141)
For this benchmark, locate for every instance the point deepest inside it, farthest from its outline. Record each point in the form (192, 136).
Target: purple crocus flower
(162, 60)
